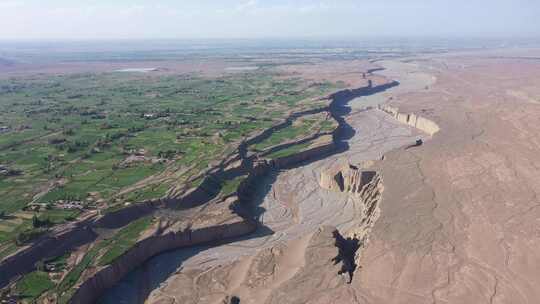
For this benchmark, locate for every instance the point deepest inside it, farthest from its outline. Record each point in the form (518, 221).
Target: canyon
(290, 211)
(457, 217)
(426, 192)
(205, 217)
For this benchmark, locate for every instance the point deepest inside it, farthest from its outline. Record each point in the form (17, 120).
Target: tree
(38, 223)
(40, 265)
(35, 221)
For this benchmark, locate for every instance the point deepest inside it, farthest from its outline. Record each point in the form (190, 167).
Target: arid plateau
(399, 179)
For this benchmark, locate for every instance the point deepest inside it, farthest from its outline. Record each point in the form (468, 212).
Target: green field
(64, 288)
(33, 285)
(302, 127)
(74, 143)
(289, 151)
(103, 139)
(124, 239)
(229, 187)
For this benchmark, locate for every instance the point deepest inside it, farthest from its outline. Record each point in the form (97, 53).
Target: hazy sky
(109, 19)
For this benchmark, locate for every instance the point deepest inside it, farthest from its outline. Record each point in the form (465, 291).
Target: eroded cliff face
(349, 178)
(326, 146)
(317, 268)
(371, 196)
(366, 187)
(222, 219)
(219, 223)
(57, 243)
(414, 120)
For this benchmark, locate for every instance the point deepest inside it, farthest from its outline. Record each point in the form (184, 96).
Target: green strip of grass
(58, 216)
(279, 137)
(125, 239)
(146, 193)
(73, 276)
(8, 249)
(289, 151)
(328, 126)
(230, 186)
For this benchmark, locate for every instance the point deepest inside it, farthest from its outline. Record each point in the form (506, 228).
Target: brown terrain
(425, 193)
(202, 219)
(450, 218)
(205, 67)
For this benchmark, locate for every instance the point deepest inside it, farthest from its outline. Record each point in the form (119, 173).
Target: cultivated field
(75, 144)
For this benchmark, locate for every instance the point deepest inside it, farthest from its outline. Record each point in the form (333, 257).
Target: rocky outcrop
(193, 197)
(421, 123)
(345, 179)
(248, 187)
(370, 195)
(367, 187)
(126, 215)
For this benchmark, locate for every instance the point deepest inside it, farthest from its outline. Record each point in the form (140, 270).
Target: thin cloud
(247, 5)
(4, 4)
(27, 19)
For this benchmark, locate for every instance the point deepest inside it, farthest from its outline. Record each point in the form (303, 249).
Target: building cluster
(60, 204)
(7, 171)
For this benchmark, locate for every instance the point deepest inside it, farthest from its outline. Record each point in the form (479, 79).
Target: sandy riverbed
(294, 204)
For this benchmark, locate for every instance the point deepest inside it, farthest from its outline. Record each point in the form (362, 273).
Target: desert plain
(295, 177)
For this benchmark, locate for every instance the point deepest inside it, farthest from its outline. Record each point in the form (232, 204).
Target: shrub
(29, 235)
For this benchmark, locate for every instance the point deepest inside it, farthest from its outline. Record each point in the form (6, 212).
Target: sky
(201, 19)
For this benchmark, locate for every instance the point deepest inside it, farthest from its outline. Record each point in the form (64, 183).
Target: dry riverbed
(293, 206)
